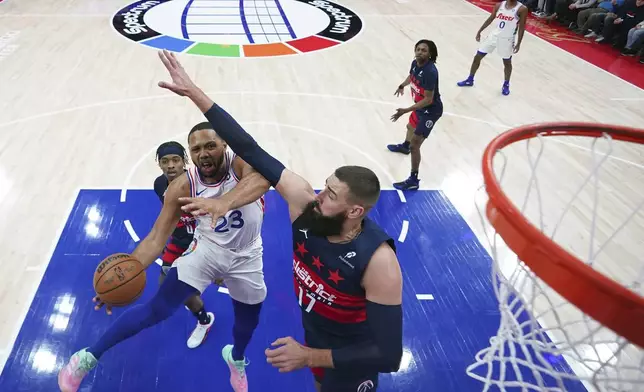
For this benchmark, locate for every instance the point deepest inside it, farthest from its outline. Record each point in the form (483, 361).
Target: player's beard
(318, 224)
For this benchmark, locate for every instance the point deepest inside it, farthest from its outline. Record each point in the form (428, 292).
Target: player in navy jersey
(172, 159)
(426, 110)
(346, 274)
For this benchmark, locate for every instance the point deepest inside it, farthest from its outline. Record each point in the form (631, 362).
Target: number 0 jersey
(239, 228)
(506, 21)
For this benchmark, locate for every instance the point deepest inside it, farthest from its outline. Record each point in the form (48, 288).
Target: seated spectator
(613, 22)
(634, 41)
(628, 19)
(566, 11)
(545, 8)
(604, 7)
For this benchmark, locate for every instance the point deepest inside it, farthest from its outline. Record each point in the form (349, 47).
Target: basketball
(119, 279)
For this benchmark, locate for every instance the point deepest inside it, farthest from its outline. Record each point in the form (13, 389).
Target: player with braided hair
(172, 159)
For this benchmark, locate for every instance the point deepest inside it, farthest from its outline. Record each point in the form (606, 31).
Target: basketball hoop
(564, 318)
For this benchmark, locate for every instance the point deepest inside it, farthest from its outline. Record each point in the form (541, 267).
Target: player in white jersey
(509, 17)
(228, 247)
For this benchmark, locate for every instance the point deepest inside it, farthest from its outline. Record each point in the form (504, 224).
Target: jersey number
(311, 302)
(236, 222)
(189, 229)
(502, 24)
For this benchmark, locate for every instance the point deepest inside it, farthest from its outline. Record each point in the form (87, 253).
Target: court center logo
(238, 28)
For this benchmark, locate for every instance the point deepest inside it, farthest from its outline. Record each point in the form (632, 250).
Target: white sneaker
(200, 332)
(592, 34)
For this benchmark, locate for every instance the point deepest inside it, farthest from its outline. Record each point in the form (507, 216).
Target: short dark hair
(433, 50)
(200, 127)
(364, 186)
(178, 145)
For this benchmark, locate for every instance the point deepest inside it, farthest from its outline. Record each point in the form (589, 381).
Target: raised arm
(294, 189)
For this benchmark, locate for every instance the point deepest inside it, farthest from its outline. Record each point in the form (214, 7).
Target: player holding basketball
(426, 110)
(172, 159)
(508, 16)
(346, 274)
(229, 248)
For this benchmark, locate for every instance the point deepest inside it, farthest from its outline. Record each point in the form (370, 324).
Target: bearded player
(509, 17)
(346, 274)
(172, 159)
(227, 245)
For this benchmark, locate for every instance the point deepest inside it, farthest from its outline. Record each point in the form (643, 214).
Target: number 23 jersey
(239, 228)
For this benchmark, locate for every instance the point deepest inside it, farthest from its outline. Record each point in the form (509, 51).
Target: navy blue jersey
(183, 233)
(424, 79)
(327, 280)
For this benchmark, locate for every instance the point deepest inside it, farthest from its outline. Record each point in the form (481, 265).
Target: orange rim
(595, 294)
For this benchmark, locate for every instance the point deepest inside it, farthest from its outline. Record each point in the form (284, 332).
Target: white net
(587, 195)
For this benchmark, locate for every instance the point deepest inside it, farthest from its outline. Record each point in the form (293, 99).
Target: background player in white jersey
(509, 17)
(229, 248)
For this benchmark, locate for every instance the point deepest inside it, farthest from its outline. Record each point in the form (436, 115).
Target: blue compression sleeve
(244, 145)
(165, 302)
(384, 352)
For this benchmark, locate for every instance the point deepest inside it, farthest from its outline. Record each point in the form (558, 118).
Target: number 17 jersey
(239, 228)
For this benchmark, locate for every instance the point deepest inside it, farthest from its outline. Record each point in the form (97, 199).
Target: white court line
(130, 230)
(401, 196)
(424, 297)
(55, 16)
(627, 99)
(418, 16)
(403, 231)
(20, 319)
(561, 49)
(238, 92)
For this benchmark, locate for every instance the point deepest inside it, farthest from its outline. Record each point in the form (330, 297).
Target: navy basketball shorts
(424, 123)
(332, 380)
(171, 252)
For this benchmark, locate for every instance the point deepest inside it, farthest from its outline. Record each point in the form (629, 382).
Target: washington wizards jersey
(424, 79)
(327, 279)
(183, 233)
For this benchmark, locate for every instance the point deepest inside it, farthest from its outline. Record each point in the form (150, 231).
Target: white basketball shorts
(242, 271)
(504, 46)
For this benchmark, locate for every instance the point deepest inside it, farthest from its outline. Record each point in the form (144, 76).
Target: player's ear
(356, 211)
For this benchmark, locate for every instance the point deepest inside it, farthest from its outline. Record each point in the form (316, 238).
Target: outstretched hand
(99, 305)
(198, 206)
(181, 83)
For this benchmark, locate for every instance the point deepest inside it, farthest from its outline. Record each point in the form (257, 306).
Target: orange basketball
(119, 279)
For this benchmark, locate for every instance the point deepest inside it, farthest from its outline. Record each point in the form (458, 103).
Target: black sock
(202, 316)
(406, 144)
(414, 175)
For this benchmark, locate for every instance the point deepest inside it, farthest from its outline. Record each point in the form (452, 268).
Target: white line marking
(159, 261)
(627, 99)
(223, 290)
(167, 96)
(425, 297)
(35, 268)
(4, 353)
(403, 231)
(130, 230)
(134, 167)
(55, 16)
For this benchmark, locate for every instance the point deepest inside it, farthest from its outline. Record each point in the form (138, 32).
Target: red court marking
(312, 43)
(602, 55)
